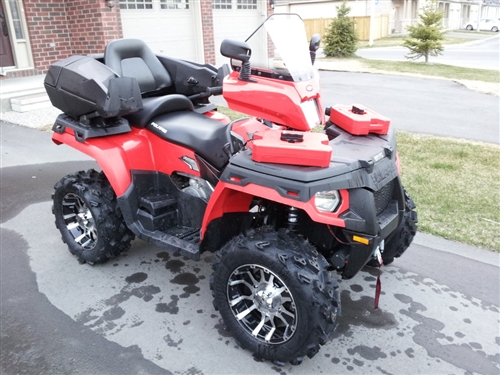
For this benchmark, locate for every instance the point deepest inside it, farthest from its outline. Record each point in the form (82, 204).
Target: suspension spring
(293, 219)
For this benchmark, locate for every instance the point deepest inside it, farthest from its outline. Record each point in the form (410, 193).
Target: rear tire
(275, 295)
(494, 29)
(469, 27)
(86, 213)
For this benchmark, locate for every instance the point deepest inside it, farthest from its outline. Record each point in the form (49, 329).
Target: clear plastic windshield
(287, 48)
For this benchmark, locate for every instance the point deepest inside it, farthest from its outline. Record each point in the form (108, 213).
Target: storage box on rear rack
(291, 147)
(358, 120)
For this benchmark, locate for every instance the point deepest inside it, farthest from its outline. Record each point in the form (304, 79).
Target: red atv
(282, 206)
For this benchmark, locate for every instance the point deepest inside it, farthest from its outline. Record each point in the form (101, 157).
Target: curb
(467, 251)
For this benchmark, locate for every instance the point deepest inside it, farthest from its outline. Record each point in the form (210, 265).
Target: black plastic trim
(82, 131)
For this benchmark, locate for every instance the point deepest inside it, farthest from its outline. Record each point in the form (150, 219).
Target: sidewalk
(42, 119)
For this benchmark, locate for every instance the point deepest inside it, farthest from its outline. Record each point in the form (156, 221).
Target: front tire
(469, 27)
(86, 213)
(275, 295)
(403, 235)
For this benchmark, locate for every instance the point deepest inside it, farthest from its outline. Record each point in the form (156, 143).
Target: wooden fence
(362, 26)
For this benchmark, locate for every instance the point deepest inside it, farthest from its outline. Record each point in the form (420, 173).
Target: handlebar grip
(216, 90)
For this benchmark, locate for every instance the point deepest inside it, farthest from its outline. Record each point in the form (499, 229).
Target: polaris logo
(160, 128)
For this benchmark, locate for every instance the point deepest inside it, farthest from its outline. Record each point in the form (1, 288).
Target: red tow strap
(378, 287)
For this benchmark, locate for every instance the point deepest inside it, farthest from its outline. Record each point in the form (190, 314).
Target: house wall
(402, 13)
(48, 33)
(328, 9)
(61, 28)
(91, 25)
(207, 24)
(58, 29)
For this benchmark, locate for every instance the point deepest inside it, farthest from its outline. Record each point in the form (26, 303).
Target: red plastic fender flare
(235, 198)
(139, 149)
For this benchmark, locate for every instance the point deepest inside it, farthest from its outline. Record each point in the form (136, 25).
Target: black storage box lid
(81, 85)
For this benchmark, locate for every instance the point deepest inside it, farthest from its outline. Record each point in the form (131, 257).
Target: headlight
(327, 201)
(310, 109)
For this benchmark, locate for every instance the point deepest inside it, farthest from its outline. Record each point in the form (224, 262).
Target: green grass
(436, 70)
(455, 185)
(396, 41)
(233, 115)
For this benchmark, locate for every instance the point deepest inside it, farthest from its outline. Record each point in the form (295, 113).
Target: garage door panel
(237, 19)
(168, 31)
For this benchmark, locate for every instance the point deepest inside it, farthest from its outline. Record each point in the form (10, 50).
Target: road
(480, 54)
(421, 105)
(414, 104)
(150, 312)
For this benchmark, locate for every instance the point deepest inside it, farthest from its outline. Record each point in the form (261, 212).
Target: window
(16, 20)
(222, 4)
(247, 4)
(174, 4)
(136, 4)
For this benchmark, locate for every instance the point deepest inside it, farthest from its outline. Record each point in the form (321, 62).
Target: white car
(490, 24)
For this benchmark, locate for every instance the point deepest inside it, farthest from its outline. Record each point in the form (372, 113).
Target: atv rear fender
(137, 150)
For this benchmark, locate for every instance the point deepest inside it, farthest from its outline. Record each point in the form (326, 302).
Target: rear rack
(96, 127)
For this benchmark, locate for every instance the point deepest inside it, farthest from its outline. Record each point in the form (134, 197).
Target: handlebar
(217, 90)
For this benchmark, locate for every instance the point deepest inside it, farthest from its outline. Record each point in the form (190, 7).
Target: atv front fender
(228, 198)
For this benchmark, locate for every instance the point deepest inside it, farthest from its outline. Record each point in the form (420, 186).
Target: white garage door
(237, 19)
(169, 27)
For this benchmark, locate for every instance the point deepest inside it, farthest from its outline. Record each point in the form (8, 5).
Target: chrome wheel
(262, 304)
(79, 221)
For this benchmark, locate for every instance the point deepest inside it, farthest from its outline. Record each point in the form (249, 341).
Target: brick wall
(270, 44)
(207, 24)
(61, 28)
(92, 24)
(48, 30)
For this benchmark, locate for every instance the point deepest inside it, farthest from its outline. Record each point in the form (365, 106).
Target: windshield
(280, 44)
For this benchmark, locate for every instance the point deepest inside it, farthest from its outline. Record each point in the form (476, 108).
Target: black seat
(208, 138)
(133, 58)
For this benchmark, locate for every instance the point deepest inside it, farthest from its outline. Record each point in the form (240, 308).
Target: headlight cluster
(327, 201)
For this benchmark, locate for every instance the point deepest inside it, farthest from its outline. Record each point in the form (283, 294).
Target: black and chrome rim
(262, 303)
(79, 221)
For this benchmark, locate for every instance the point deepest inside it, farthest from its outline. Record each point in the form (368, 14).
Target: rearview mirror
(235, 49)
(314, 44)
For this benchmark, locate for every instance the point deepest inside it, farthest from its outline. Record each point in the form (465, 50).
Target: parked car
(490, 24)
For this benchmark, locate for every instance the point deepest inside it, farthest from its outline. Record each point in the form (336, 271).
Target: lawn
(435, 70)
(455, 185)
(395, 41)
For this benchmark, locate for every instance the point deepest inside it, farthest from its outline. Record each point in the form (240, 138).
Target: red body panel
(247, 127)
(359, 124)
(235, 198)
(137, 150)
(275, 100)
